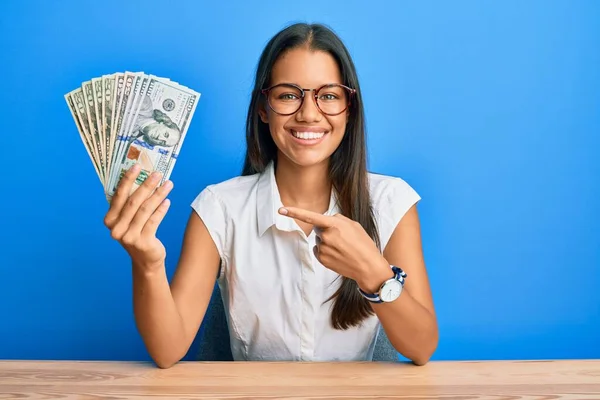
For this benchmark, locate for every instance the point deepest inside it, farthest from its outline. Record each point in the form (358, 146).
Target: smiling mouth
(307, 135)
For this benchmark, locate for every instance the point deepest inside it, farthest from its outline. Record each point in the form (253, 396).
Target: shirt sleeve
(397, 198)
(212, 211)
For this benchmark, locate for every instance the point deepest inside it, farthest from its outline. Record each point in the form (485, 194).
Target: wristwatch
(390, 290)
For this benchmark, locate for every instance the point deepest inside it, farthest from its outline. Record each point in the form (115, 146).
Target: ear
(262, 113)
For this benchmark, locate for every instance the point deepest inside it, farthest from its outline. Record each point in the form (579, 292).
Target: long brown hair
(347, 165)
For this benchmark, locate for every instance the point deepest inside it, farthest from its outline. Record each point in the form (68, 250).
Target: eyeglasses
(287, 98)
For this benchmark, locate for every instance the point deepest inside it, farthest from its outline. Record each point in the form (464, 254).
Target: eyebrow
(302, 86)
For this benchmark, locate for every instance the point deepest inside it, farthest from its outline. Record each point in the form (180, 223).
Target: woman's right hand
(133, 220)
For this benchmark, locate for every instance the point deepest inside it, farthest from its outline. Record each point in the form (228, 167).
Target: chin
(306, 161)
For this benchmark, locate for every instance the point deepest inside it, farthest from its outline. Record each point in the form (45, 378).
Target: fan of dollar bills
(128, 118)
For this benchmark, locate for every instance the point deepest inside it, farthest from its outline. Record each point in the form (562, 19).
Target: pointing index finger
(310, 217)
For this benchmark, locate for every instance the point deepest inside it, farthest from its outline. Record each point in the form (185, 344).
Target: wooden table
(275, 380)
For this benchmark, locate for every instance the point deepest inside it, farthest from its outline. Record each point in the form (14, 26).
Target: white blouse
(273, 288)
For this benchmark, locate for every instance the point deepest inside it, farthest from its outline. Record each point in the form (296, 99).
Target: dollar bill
(98, 109)
(139, 85)
(92, 118)
(79, 101)
(82, 133)
(139, 91)
(108, 98)
(116, 117)
(129, 82)
(157, 132)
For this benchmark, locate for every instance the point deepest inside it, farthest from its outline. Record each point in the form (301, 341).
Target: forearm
(157, 317)
(410, 327)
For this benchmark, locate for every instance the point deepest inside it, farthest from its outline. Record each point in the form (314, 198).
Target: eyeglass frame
(316, 91)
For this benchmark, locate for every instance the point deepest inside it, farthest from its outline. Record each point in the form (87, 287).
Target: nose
(309, 112)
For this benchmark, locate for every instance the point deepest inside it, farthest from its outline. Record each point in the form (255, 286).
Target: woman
(311, 252)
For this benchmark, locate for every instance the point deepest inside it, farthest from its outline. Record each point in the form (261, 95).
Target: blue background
(491, 110)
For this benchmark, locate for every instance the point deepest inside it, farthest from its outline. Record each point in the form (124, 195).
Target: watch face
(390, 291)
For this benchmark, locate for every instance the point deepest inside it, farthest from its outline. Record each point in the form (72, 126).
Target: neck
(304, 187)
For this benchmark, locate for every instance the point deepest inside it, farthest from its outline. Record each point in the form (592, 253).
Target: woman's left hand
(344, 247)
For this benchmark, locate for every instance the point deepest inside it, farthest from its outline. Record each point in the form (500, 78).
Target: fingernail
(283, 211)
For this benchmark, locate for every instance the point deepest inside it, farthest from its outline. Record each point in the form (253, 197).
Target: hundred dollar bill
(157, 132)
(80, 129)
(139, 91)
(108, 101)
(139, 85)
(80, 109)
(128, 85)
(90, 109)
(116, 118)
(98, 108)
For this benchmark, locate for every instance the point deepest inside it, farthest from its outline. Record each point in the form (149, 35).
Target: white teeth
(308, 135)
